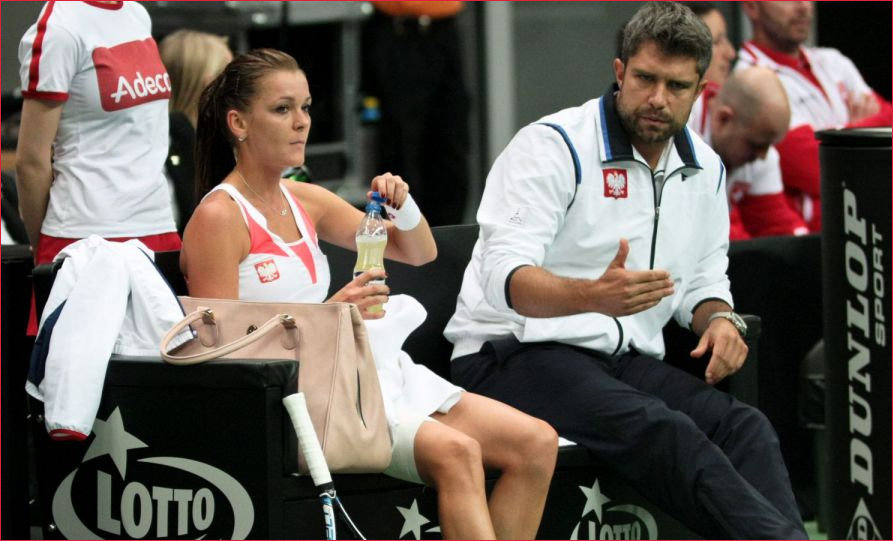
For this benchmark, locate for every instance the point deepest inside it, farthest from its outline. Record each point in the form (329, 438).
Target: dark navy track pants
(708, 459)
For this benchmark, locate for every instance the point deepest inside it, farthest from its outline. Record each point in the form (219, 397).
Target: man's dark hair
(674, 28)
(618, 41)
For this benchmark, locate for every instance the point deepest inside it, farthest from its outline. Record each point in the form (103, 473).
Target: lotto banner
(175, 453)
(856, 274)
(207, 452)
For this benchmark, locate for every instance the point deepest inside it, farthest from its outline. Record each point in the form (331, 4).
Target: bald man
(741, 121)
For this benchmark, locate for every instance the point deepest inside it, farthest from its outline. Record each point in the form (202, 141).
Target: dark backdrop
(861, 30)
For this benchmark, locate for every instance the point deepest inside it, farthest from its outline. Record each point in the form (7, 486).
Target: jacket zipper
(657, 199)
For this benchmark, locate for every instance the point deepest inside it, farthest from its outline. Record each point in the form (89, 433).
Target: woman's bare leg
(451, 462)
(522, 447)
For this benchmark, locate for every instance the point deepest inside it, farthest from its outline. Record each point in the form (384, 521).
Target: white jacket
(533, 213)
(819, 108)
(107, 298)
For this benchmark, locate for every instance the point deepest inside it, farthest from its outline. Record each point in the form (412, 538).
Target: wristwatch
(736, 320)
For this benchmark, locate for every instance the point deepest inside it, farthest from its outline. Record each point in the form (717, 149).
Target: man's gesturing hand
(622, 292)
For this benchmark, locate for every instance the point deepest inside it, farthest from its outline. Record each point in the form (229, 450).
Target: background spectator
(723, 51)
(825, 90)
(192, 60)
(93, 134)
(413, 64)
(741, 121)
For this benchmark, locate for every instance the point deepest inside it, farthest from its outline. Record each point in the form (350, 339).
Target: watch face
(735, 320)
(739, 323)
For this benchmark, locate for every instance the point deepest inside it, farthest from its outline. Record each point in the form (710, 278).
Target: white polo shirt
(533, 213)
(112, 140)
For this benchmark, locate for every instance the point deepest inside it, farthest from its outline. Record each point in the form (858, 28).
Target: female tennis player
(254, 237)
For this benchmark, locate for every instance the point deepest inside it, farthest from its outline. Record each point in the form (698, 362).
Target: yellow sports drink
(372, 238)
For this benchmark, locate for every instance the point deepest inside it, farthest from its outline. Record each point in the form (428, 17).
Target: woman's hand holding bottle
(393, 189)
(366, 290)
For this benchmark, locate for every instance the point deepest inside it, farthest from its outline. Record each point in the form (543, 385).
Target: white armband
(407, 217)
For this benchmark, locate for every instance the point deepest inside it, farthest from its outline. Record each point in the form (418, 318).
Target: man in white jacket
(598, 224)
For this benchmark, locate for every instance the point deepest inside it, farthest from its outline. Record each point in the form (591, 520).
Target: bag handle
(207, 316)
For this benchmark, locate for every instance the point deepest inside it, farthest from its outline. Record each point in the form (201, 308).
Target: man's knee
(752, 422)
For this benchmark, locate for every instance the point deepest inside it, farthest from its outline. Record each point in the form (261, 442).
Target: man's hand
(727, 347)
(622, 292)
(862, 106)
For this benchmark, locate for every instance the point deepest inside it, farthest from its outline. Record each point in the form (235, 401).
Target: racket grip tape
(296, 405)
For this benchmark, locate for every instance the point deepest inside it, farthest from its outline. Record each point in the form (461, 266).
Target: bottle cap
(375, 203)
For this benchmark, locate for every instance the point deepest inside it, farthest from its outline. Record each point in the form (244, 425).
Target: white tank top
(276, 271)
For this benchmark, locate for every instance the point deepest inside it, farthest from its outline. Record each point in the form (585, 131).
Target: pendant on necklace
(283, 212)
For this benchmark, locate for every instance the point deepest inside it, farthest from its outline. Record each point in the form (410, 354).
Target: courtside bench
(208, 451)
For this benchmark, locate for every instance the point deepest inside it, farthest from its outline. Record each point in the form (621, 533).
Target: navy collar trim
(617, 144)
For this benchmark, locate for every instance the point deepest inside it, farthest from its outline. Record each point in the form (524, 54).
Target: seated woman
(254, 119)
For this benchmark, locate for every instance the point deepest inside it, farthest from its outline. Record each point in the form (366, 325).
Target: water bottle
(372, 237)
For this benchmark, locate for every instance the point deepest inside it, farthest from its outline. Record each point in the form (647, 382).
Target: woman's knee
(536, 446)
(454, 454)
(545, 441)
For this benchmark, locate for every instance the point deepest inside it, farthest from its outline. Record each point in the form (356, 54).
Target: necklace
(283, 212)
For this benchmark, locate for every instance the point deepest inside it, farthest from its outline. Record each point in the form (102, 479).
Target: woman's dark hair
(234, 88)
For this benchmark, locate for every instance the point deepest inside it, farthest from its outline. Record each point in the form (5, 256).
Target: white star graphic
(111, 439)
(594, 500)
(412, 520)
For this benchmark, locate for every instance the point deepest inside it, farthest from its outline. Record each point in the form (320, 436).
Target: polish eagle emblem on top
(267, 271)
(615, 183)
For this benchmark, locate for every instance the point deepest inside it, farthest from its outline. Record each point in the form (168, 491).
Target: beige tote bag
(336, 369)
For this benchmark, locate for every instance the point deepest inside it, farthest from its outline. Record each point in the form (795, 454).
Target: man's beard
(629, 120)
(784, 43)
(782, 36)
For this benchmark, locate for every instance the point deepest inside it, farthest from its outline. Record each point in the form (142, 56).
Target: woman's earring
(242, 138)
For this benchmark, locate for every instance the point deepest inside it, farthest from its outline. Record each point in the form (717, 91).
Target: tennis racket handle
(296, 406)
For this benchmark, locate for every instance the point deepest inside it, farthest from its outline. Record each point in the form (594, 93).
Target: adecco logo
(130, 74)
(157, 502)
(612, 521)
